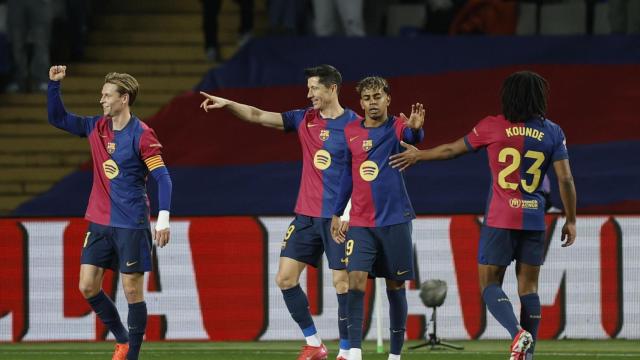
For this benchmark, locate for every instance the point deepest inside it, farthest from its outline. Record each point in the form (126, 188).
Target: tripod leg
(451, 346)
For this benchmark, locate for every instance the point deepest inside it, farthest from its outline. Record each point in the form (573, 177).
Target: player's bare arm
(243, 111)
(416, 118)
(57, 72)
(568, 196)
(412, 154)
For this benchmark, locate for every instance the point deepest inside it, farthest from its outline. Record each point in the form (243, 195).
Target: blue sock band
(530, 315)
(343, 321)
(355, 313)
(397, 319)
(298, 306)
(106, 310)
(137, 321)
(500, 307)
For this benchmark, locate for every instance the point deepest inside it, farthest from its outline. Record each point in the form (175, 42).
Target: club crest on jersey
(322, 159)
(111, 147)
(324, 135)
(110, 169)
(367, 144)
(369, 171)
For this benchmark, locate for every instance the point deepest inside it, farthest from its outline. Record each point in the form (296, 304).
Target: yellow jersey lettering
(524, 131)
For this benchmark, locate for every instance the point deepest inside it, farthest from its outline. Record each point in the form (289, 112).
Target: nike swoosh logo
(353, 138)
(131, 263)
(399, 273)
(342, 319)
(312, 125)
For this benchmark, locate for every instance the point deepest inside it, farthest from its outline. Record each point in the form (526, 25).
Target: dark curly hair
(524, 96)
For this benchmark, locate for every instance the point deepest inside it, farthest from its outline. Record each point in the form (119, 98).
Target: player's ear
(125, 98)
(362, 103)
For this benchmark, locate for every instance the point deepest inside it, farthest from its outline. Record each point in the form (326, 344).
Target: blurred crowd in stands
(35, 33)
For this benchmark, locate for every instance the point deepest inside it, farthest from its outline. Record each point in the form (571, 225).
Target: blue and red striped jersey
(519, 157)
(378, 192)
(323, 154)
(121, 162)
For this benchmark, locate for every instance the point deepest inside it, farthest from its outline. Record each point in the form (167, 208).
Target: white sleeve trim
(345, 215)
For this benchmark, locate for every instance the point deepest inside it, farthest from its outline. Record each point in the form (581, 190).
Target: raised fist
(57, 72)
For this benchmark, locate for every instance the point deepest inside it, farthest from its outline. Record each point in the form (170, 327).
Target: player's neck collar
(336, 111)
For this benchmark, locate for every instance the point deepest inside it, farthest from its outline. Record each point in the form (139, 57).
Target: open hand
(406, 158)
(416, 119)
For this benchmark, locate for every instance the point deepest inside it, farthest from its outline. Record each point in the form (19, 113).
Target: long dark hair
(524, 96)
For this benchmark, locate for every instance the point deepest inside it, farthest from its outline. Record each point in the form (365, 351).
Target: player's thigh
(496, 246)
(98, 248)
(530, 245)
(396, 260)
(302, 241)
(361, 249)
(134, 248)
(334, 251)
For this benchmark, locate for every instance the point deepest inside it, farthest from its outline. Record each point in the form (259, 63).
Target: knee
(285, 281)
(342, 286)
(132, 293)
(88, 290)
(394, 285)
(358, 281)
(527, 288)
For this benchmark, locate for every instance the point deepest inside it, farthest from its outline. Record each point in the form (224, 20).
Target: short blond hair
(126, 84)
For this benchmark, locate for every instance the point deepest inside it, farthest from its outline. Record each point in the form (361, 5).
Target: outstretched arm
(412, 154)
(243, 111)
(568, 196)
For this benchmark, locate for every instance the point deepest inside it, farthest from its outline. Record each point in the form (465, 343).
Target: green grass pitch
(485, 350)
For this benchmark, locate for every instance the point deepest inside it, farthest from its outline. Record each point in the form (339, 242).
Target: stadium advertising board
(215, 281)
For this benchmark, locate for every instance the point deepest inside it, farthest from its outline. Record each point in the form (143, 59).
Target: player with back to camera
(521, 145)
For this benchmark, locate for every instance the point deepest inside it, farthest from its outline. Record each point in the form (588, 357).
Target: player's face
(320, 95)
(112, 102)
(375, 103)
